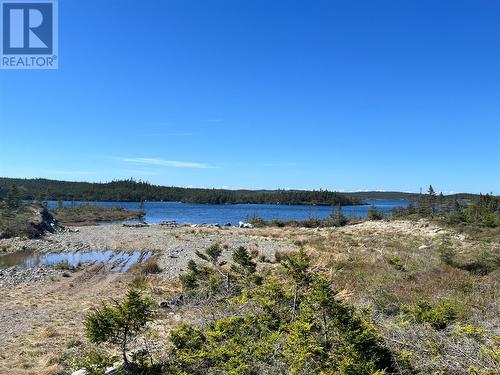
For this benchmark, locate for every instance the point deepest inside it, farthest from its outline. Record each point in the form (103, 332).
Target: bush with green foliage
(212, 278)
(243, 262)
(293, 325)
(336, 219)
(438, 316)
(290, 323)
(374, 214)
(397, 263)
(118, 323)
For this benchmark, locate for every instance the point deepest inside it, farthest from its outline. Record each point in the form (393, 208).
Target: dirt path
(37, 318)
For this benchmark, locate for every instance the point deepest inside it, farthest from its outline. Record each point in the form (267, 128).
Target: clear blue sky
(345, 95)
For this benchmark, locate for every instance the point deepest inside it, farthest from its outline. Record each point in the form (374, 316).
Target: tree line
(481, 209)
(136, 191)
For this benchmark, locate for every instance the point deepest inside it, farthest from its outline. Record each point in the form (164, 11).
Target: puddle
(119, 261)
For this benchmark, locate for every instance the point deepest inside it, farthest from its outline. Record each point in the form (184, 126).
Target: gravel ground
(13, 275)
(172, 247)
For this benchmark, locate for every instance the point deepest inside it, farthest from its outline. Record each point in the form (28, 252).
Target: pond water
(120, 261)
(157, 212)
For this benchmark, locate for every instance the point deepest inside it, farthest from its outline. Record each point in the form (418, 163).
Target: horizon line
(245, 188)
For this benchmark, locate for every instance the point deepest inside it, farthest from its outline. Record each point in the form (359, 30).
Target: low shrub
(469, 330)
(397, 263)
(118, 323)
(257, 221)
(150, 267)
(374, 214)
(446, 252)
(483, 263)
(438, 316)
(336, 219)
(279, 255)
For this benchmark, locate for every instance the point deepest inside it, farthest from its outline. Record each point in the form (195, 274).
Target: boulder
(42, 220)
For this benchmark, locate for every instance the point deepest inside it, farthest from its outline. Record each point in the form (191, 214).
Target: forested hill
(130, 190)
(364, 195)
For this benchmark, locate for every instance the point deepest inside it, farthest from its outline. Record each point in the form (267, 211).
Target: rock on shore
(33, 220)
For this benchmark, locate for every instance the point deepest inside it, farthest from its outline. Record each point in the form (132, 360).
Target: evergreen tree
(119, 323)
(13, 198)
(431, 191)
(373, 214)
(244, 265)
(431, 197)
(338, 217)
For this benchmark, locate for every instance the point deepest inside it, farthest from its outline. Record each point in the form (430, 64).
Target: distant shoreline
(216, 204)
(40, 189)
(133, 191)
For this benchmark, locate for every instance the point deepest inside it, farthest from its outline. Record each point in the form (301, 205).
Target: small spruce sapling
(244, 265)
(120, 322)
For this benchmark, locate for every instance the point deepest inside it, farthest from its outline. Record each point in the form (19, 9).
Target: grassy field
(90, 214)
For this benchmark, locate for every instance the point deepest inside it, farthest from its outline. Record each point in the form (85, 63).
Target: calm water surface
(121, 261)
(157, 212)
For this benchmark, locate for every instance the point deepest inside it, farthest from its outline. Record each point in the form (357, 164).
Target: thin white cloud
(166, 163)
